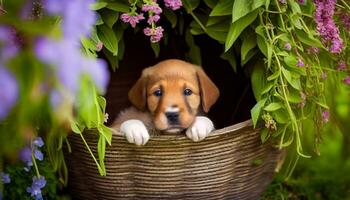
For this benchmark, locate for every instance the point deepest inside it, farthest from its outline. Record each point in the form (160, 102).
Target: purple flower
(38, 154)
(132, 19)
(341, 65)
(155, 34)
(8, 42)
(347, 80)
(77, 18)
(313, 50)
(287, 46)
(300, 63)
(154, 8)
(56, 98)
(153, 19)
(5, 178)
(325, 116)
(37, 185)
(70, 64)
(324, 75)
(173, 4)
(98, 71)
(345, 19)
(326, 27)
(25, 155)
(9, 92)
(303, 2)
(283, 1)
(38, 142)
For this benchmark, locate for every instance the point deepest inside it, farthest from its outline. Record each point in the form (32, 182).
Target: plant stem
(280, 16)
(198, 21)
(346, 5)
(92, 155)
(36, 166)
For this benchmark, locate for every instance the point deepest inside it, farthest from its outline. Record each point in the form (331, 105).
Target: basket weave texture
(230, 164)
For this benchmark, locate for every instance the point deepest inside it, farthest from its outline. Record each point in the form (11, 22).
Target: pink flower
(347, 80)
(173, 4)
(300, 63)
(287, 46)
(152, 8)
(99, 46)
(155, 34)
(153, 19)
(132, 19)
(345, 19)
(325, 116)
(341, 65)
(303, 2)
(326, 27)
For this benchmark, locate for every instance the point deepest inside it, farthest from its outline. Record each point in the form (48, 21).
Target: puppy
(168, 97)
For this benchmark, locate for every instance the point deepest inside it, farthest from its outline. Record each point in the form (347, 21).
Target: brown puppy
(167, 97)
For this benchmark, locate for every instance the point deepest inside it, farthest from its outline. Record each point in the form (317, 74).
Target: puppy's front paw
(200, 129)
(135, 131)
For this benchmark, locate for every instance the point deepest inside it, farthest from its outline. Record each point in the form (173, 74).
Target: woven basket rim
(156, 135)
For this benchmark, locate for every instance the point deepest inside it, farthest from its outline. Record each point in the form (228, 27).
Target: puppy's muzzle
(173, 117)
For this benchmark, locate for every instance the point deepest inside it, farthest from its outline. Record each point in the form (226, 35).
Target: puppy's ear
(137, 94)
(209, 92)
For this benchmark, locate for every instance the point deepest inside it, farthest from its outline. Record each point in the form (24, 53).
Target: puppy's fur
(167, 97)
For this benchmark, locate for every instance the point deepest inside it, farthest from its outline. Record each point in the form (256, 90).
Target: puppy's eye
(157, 93)
(187, 92)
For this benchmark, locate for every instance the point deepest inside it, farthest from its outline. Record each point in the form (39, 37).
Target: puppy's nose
(173, 117)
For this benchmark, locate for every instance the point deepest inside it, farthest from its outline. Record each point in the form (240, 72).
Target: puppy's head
(172, 91)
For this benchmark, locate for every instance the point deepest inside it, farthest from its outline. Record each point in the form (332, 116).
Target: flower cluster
(326, 26)
(345, 19)
(8, 83)
(64, 55)
(35, 189)
(5, 178)
(152, 8)
(26, 154)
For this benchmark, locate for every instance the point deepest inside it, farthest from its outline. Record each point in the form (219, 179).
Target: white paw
(135, 131)
(200, 129)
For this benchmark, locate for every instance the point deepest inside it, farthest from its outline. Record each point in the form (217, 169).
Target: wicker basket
(230, 164)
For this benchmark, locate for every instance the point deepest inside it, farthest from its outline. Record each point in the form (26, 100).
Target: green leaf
(242, 7)
(308, 39)
(217, 20)
(171, 17)
(113, 60)
(101, 150)
(210, 3)
(156, 48)
(98, 5)
(224, 7)
(294, 6)
(220, 36)
(262, 45)
(291, 61)
(190, 5)
(249, 56)
(76, 128)
(295, 83)
(237, 28)
(248, 44)
(120, 7)
(294, 96)
(109, 17)
(273, 76)
(264, 135)
(106, 133)
(281, 116)
(108, 38)
(231, 58)
(258, 79)
(273, 106)
(255, 111)
(267, 88)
